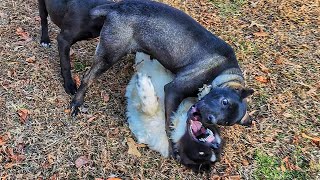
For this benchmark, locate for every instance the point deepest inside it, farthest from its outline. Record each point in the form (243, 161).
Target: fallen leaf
(8, 165)
(233, 177)
(262, 79)
(54, 177)
(31, 59)
(260, 34)
(67, 111)
(283, 169)
(98, 179)
(245, 162)
(50, 158)
(215, 177)
(82, 160)
(287, 115)
(141, 145)
(106, 98)
(113, 178)
(23, 114)
(132, 147)
(279, 60)
(23, 35)
(71, 52)
(312, 138)
(264, 68)
(77, 80)
(92, 119)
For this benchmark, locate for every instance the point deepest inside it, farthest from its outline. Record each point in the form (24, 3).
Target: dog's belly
(145, 109)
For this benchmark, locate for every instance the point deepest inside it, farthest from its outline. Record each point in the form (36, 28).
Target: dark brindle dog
(72, 17)
(181, 45)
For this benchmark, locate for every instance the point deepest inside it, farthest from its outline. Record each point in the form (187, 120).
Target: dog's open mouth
(197, 130)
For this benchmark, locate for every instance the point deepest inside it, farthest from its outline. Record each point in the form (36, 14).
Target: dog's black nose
(211, 118)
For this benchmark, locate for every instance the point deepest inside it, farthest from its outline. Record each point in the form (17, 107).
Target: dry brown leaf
(8, 165)
(71, 52)
(264, 68)
(23, 114)
(4, 138)
(312, 138)
(23, 35)
(92, 119)
(82, 160)
(262, 79)
(233, 177)
(77, 80)
(261, 34)
(50, 158)
(245, 162)
(132, 147)
(279, 60)
(67, 111)
(106, 98)
(54, 177)
(31, 59)
(215, 177)
(283, 169)
(114, 178)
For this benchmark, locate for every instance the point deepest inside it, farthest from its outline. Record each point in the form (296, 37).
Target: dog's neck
(231, 78)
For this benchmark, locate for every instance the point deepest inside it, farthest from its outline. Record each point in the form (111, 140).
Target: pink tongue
(197, 128)
(210, 139)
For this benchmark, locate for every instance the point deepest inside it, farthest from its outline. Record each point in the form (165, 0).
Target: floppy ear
(245, 92)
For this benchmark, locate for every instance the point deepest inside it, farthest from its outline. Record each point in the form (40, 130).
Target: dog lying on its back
(195, 145)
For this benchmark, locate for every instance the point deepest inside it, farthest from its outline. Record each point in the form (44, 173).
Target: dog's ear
(245, 92)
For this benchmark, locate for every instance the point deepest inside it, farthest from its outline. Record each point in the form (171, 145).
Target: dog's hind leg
(65, 40)
(149, 103)
(45, 40)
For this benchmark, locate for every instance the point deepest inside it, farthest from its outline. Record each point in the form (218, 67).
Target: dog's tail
(101, 10)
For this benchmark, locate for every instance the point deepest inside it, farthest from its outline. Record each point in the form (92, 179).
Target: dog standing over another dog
(181, 45)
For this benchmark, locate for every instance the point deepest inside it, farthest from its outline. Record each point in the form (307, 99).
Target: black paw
(75, 108)
(70, 87)
(45, 43)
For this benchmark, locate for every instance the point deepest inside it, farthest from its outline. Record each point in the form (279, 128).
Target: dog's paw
(45, 44)
(147, 95)
(70, 87)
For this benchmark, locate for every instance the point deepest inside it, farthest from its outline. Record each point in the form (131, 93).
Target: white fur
(145, 105)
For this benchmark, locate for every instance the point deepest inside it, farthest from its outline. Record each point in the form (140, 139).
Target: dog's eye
(225, 102)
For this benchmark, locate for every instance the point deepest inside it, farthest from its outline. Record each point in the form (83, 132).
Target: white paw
(147, 95)
(46, 45)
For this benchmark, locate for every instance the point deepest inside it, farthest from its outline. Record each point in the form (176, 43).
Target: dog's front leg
(99, 66)
(172, 99)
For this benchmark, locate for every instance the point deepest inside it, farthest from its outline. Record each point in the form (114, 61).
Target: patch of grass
(78, 66)
(231, 7)
(268, 167)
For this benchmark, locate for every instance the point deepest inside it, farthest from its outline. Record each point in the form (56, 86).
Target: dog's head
(223, 106)
(199, 147)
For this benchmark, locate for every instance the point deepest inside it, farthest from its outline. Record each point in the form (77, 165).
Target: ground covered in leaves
(277, 45)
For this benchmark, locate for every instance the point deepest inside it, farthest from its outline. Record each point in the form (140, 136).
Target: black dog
(183, 46)
(72, 17)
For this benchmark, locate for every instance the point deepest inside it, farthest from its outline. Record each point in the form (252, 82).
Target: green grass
(231, 7)
(268, 167)
(78, 66)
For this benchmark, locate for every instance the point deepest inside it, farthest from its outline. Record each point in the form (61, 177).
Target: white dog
(196, 145)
